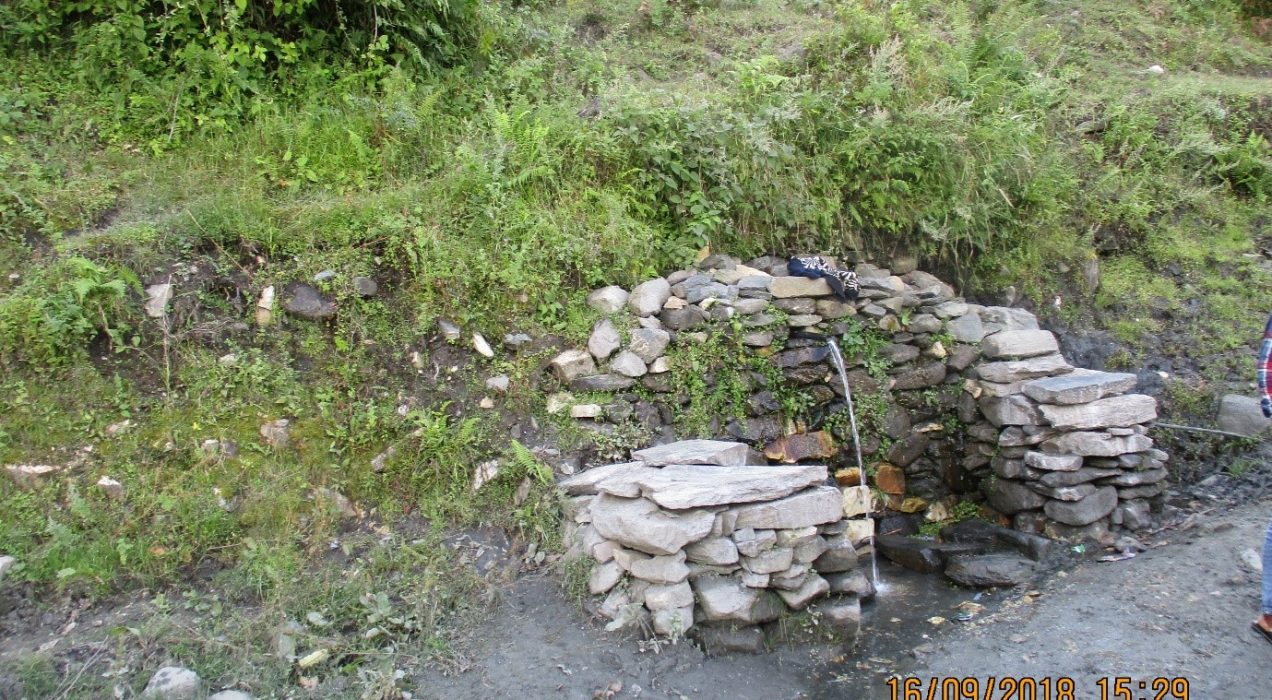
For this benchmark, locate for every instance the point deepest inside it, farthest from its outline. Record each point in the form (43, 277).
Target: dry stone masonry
(696, 532)
(960, 403)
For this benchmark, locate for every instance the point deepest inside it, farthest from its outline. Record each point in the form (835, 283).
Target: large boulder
(724, 598)
(985, 570)
(649, 343)
(608, 300)
(1007, 496)
(1242, 415)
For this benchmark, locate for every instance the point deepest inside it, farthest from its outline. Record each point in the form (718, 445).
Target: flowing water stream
(838, 359)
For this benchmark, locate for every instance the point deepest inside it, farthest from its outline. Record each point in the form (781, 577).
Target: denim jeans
(1267, 571)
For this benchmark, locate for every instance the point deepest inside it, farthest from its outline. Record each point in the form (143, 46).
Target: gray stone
(758, 339)
(844, 614)
(1008, 497)
(716, 551)
(1242, 415)
(1096, 444)
(1017, 370)
(1019, 344)
(1081, 476)
(1086, 511)
(173, 683)
(683, 486)
(851, 582)
(683, 319)
(1006, 318)
(727, 454)
(808, 552)
(814, 506)
(648, 344)
(32, 476)
(814, 587)
(962, 357)
(230, 695)
(770, 561)
(720, 640)
(450, 331)
(1145, 491)
(832, 309)
(498, 383)
(604, 577)
(673, 623)
(640, 524)
(608, 300)
(1008, 468)
(1111, 412)
(903, 452)
(921, 378)
(751, 542)
(1075, 492)
(1050, 462)
(585, 483)
(325, 276)
(914, 554)
(1079, 386)
(711, 290)
(1134, 514)
(573, 364)
(951, 309)
(666, 569)
(6, 563)
(1009, 410)
(985, 570)
(627, 364)
(601, 382)
(305, 301)
(277, 433)
(648, 298)
(604, 339)
(966, 328)
(840, 555)
(786, 287)
(1137, 478)
(748, 307)
(365, 287)
(899, 353)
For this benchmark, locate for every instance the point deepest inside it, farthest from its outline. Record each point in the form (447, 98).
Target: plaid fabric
(1265, 369)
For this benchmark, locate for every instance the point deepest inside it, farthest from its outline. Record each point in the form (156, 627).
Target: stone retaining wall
(1051, 448)
(698, 532)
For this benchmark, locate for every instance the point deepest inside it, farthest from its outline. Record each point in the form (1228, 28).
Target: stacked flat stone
(1073, 456)
(695, 533)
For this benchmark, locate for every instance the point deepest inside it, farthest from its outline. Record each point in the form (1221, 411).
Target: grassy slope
(1012, 142)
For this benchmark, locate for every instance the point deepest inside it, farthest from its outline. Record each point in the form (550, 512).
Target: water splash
(837, 359)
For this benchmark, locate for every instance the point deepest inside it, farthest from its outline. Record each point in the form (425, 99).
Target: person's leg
(1266, 620)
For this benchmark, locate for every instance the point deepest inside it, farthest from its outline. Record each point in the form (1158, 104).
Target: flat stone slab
(725, 598)
(991, 570)
(1112, 412)
(1010, 371)
(1079, 386)
(1019, 344)
(1049, 462)
(1096, 444)
(787, 287)
(725, 454)
(1085, 511)
(584, 483)
(642, 525)
(683, 486)
(815, 506)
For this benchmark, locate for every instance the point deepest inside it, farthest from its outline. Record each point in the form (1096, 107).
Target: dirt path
(1180, 609)
(1183, 609)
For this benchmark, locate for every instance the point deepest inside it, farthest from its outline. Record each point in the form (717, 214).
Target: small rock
(30, 476)
(1156, 70)
(277, 433)
(338, 500)
(230, 695)
(450, 331)
(608, 300)
(325, 275)
(380, 461)
(265, 306)
(586, 410)
(604, 339)
(486, 403)
(112, 488)
(628, 364)
(365, 287)
(6, 563)
(1252, 561)
(481, 346)
(558, 402)
(573, 364)
(648, 297)
(498, 383)
(305, 301)
(173, 683)
(484, 473)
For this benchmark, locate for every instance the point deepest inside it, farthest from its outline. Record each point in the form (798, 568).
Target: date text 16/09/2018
(1029, 688)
